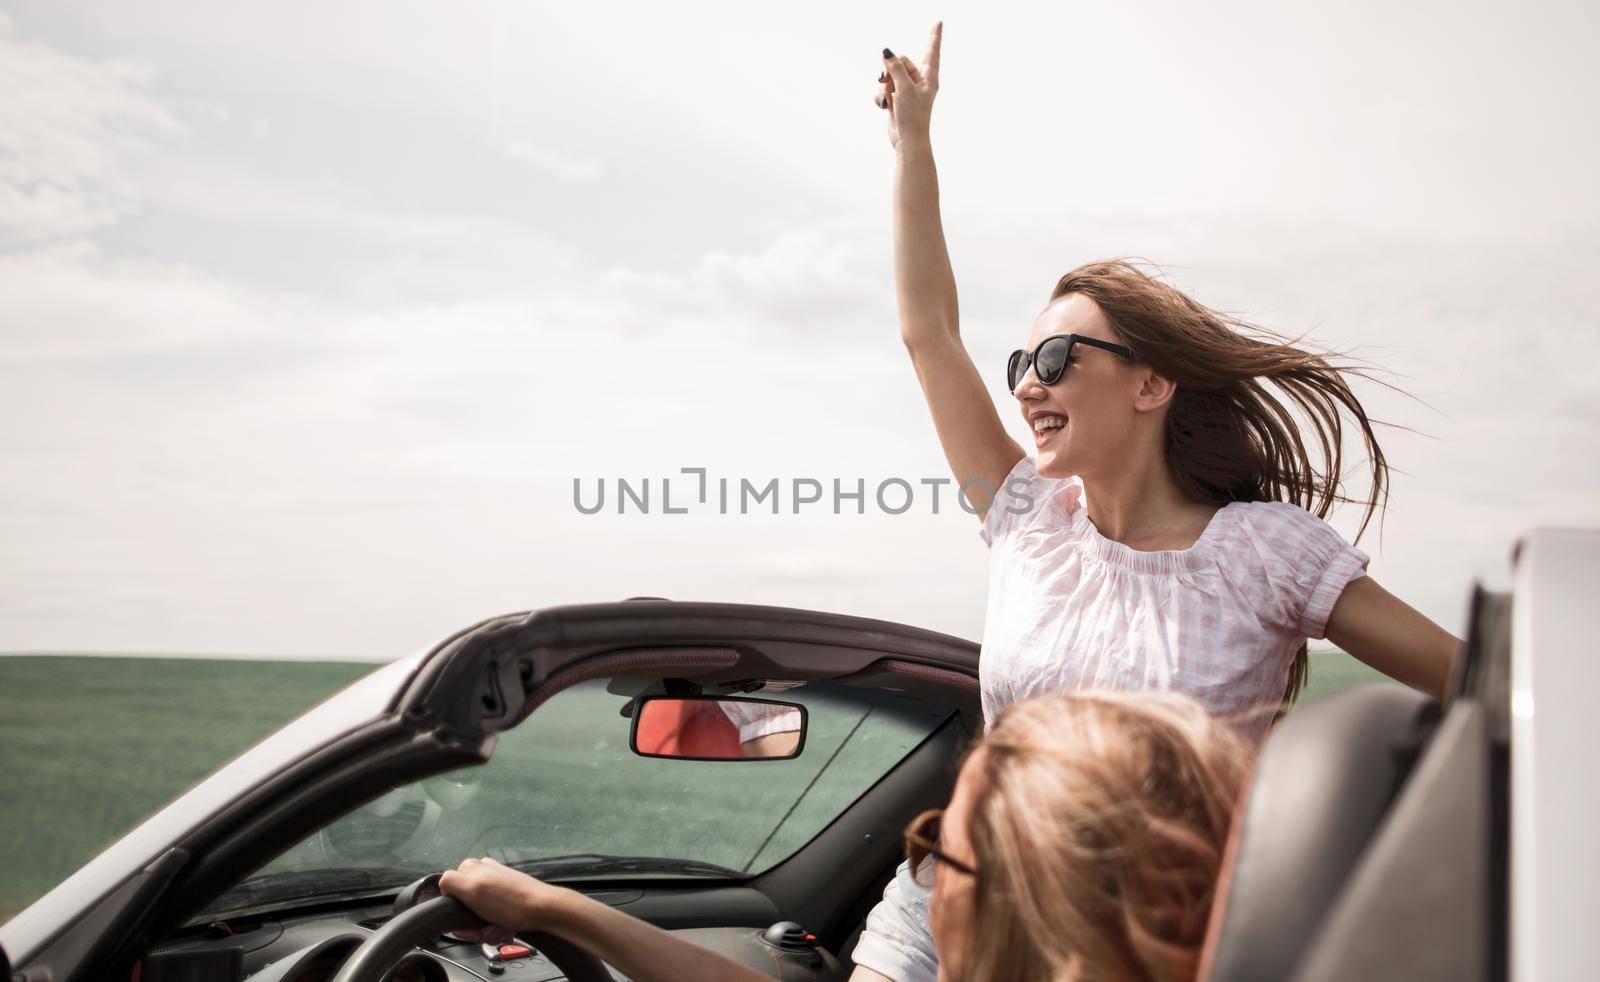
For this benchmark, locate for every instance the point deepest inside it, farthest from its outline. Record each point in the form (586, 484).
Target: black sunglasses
(1052, 356)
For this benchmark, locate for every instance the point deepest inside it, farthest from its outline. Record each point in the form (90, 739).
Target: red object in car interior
(509, 951)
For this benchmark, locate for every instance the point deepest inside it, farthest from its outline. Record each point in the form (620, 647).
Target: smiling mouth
(1046, 427)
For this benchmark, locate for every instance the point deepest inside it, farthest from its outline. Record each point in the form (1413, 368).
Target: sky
(312, 314)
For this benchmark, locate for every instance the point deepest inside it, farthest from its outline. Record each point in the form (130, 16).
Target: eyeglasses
(1052, 356)
(922, 841)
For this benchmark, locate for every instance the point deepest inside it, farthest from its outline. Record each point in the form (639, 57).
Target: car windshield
(564, 797)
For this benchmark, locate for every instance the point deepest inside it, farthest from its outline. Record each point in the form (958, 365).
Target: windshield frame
(861, 701)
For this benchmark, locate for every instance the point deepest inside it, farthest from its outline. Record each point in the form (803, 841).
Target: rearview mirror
(717, 728)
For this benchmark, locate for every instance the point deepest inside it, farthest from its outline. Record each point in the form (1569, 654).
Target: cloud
(66, 124)
(561, 166)
(348, 364)
(824, 278)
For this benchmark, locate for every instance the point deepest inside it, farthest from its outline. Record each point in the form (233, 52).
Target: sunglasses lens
(1016, 368)
(1051, 358)
(922, 832)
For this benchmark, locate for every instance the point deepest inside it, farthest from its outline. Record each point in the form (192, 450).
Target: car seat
(1321, 787)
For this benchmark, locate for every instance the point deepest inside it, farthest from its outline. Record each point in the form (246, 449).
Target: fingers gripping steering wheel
(423, 913)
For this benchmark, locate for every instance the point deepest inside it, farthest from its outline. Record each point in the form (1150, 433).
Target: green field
(92, 745)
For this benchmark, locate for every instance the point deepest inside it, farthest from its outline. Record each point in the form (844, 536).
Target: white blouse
(1072, 609)
(1221, 620)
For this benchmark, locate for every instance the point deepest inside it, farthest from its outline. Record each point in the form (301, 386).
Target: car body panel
(1555, 780)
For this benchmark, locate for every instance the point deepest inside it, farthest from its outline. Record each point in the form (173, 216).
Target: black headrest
(1321, 786)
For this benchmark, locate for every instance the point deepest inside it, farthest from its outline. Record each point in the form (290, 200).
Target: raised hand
(907, 92)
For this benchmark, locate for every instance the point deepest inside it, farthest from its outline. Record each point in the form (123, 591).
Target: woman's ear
(1155, 391)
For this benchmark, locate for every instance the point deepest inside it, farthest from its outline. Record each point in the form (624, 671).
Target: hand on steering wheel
(506, 899)
(421, 924)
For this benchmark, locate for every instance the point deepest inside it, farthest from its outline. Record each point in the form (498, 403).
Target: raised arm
(979, 450)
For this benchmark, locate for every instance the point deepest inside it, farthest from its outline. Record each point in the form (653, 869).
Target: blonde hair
(1098, 832)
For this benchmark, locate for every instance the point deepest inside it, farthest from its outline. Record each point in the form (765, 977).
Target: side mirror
(717, 728)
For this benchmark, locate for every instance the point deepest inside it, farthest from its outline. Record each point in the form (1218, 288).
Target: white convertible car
(1385, 835)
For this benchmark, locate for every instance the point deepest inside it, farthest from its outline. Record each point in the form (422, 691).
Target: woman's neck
(1142, 507)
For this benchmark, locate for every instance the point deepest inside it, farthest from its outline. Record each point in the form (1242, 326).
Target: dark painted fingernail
(887, 53)
(883, 103)
(883, 76)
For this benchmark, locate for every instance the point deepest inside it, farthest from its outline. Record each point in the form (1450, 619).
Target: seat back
(1322, 785)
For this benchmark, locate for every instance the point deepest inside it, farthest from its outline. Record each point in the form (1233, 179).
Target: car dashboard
(302, 947)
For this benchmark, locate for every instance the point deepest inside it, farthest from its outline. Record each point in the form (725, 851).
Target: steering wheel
(422, 913)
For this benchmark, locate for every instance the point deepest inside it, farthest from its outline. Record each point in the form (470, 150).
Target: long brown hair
(1231, 430)
(1098, 836)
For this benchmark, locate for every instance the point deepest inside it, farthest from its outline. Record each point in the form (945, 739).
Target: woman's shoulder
(1274, 514)
(1295, 564)
(1281, 531)
(1028, 499)
(1052, 497)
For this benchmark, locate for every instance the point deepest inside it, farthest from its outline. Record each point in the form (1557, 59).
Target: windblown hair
(1098, 835)
(1231, 430)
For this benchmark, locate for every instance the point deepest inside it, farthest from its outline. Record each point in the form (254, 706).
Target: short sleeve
(1026, 498)
(897, 941)
(1305, 562)
(757, 719)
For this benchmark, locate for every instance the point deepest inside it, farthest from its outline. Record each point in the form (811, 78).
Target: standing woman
(1168, 532)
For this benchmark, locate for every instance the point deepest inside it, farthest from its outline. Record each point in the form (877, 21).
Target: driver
(1083, 840)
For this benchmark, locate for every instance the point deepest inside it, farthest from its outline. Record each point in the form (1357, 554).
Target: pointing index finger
(931, 60)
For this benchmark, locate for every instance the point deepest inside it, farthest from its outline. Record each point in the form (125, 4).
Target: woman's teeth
(1046, 423)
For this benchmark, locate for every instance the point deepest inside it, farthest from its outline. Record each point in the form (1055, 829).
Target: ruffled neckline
(1169, 561)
